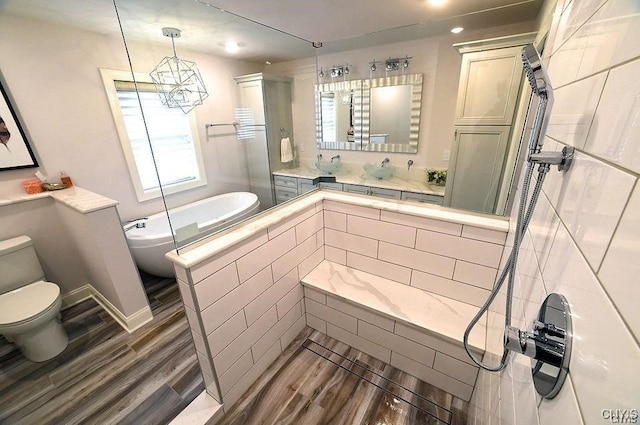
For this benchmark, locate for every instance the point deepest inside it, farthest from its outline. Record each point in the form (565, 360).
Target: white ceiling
(277, 30)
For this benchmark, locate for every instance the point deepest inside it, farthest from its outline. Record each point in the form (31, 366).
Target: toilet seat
(28, 302)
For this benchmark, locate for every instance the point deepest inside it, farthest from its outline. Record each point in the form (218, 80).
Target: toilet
(29, 305)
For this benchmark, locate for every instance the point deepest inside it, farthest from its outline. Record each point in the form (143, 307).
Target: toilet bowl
(29, 308)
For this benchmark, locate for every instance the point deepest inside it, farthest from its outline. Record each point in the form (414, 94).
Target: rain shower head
(536, 74)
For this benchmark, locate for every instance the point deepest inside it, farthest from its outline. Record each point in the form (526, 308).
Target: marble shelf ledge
(349, 176)
(443, 316)
(200, 251)
(81, 200)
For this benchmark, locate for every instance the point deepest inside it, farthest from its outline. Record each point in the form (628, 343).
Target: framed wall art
(15, 151)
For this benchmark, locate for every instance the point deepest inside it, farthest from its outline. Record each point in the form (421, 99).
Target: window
(175, 147)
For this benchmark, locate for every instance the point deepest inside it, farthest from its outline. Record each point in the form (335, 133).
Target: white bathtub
(193, 221)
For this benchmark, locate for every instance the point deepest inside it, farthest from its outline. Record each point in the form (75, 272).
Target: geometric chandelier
(177, 81)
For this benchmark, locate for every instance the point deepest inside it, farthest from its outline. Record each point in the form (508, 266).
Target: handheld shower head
(536, 74)
(541, 87)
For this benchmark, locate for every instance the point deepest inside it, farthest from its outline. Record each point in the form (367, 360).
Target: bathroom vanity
(296, 181)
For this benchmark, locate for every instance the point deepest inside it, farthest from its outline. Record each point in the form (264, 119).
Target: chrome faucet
(409, 164)
(335, 157)
(319, 156)
(385, 161)
(136, 223)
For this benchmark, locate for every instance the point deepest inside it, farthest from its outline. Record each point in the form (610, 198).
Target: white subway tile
(252, 375)
(432, 341)
(379, 268)
(212, 387)
(287, 302)
(543, 227)
(590, 199)
(271, 296)
(205, 364)
(316, 323)
(359, 343)
(217, 285)
(396, 343)
(292, 258)
(349, 242)
(315, 295)
(484, 253)
(604, 351)
(227, 256)
(621, 266)
(475, 274)
(198, 341)
(431, 376)
(309, 227)
(455, 368)
(349, 209)
(335, 255)
(272, 335)
(562, 409)
(382, 231)
(422, 222)
(226, 333)
(335, 220)
(192, 318)
(573, 110)
(265, 254)
(181, 273)
(223, 359)
(486, 235)
(311, 262)
(449, 288)
(185, 294)
(214, 315)
(290, 334)
(290, 222)
(416, 259)
(617, 130)
(332, 316)
(361, 313)
(320, 238)
(229, 378)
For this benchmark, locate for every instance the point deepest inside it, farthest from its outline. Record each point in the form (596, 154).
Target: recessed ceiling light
(457, 30)
(231, 46)
(437, 3)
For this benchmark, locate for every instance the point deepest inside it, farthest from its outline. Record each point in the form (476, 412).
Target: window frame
(109, 76)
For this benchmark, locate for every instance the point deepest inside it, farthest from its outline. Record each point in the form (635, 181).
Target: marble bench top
(440, 315)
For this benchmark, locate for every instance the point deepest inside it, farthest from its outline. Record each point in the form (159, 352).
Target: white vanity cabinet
(330, 185)
(424, 198)
(288, 187)
(372, 191)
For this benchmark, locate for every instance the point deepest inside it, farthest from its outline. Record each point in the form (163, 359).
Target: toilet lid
(26, 302)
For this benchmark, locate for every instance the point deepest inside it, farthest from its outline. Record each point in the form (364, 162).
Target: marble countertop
(355, 174)
(441, 315)
(75, 197)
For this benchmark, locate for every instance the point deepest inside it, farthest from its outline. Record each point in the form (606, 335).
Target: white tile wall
(584, 236)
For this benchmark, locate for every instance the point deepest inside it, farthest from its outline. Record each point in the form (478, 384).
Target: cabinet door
(355, 188)
(488, 89)
(477, 158)
(385, 193)
(424, 198)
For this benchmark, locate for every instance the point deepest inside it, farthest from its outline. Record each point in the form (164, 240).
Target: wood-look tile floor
(105, 375)
(327, 382)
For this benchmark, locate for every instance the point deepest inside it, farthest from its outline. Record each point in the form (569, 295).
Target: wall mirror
(383, 114)
(337, 104)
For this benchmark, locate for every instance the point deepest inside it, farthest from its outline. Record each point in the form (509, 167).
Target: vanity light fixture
(335, 71)
(178, 81)
(391, 64)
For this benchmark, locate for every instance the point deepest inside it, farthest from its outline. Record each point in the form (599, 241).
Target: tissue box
(32, 186)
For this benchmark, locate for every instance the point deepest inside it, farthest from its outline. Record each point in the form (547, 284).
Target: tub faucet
(409, 164)
(136, 223)
(335, 157)
(385, 161)
(319, 156)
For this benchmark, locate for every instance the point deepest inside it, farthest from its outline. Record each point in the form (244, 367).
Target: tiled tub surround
(242, 288)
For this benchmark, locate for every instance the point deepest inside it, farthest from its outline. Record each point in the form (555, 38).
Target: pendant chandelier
(178, 81)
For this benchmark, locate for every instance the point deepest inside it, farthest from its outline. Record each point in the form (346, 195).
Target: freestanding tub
(190, 222)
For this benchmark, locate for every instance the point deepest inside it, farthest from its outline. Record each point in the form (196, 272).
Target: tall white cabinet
(266, 99)
(491, 78)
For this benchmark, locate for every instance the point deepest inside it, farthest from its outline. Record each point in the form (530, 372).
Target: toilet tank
(19, 264)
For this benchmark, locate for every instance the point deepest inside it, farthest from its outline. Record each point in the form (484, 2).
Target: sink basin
(328, 166)
(378, 171)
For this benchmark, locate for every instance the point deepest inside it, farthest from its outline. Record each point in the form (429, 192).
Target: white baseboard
(129, 323)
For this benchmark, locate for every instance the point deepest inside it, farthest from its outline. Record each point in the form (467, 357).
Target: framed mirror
(390, 118)
(337, 104)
